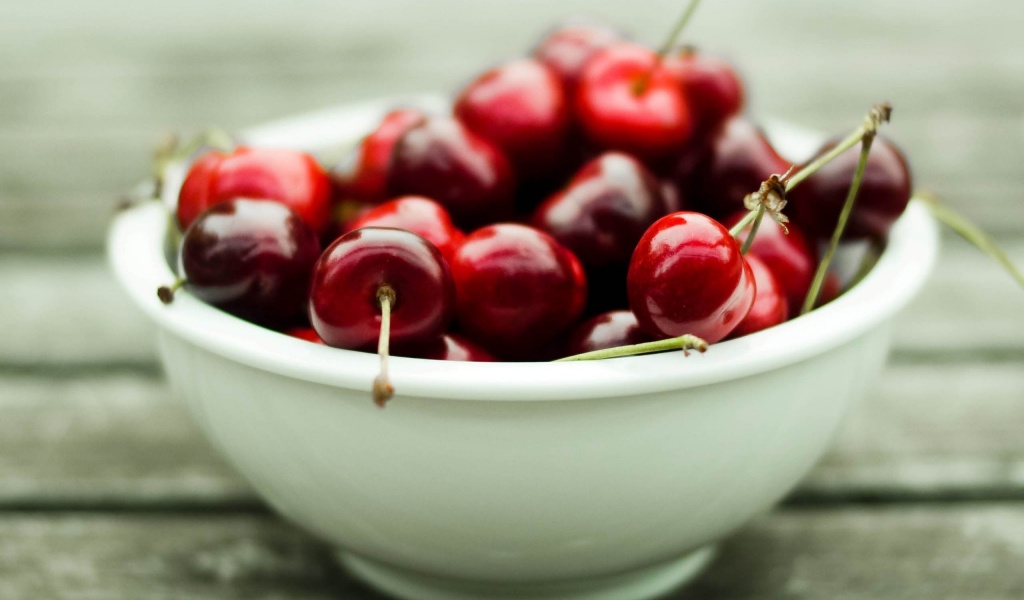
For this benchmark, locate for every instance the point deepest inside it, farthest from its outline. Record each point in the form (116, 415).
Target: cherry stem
(382, 388)
(683, 342)
(837, 233)
(641, 84)
(743, 223)
(166, 292)
(758, 216)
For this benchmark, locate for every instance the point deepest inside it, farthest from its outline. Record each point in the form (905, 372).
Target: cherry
(250, 258)
(711, 85)
(687, 276)
(567, 48)
(789, 257)
(627, 100)
(521, 107)
(417, 214)
(289, 177)
(306, 333)
(606, 330)
(440, 158)
(770, 305)
(517, 289)
(735, 160)
(604, 210)
(362, 175)
(885, 190)
(453, 347)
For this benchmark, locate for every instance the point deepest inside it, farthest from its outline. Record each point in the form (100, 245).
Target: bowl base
(641, 584)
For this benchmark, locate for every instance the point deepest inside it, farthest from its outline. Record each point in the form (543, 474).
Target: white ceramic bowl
(606, 479)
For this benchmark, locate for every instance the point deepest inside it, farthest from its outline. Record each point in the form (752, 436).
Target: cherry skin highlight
(250, 258)
(521, 108)
(517, 289)
(286, 176)
(687, 276)
(417, 214)
(606, 330)
(567, 49)
(770, 305)
(344, 304)
(442, 159)
(363, 174)
(626, 100)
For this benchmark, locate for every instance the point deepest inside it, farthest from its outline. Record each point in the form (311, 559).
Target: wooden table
(107, 490)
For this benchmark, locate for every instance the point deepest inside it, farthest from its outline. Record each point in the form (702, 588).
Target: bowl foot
(641, 584)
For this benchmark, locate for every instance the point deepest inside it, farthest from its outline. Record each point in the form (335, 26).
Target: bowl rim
(135, 252)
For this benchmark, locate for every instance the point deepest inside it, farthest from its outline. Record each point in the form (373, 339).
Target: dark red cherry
(442, 159)
(306, 333)
(250, 258)
(606, 330)
(687, 276)
(521, 107)
(567, 49)
(884, 192)
(711, 85)
(353, 272)
(289, 177)
(362, 175)
(452, 347)
(790, 257)
(770, 306)
(417, 214)
(517, 289)
(604, 210)
(626, 100)
(734, 162)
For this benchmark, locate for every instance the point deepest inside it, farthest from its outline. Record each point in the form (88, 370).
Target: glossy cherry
(687, 276)
(289, 177)
(770, 305)
(250, 258)
(604, 210)
(815, 204)
(362, 175)
(606, 330)
(344, 303)
(417, 214)
(789, 256)
(711, 85)
(522, 108)
(442, 159)
(567, 48)
(627, 100)
(451, 346)
(517, 289)
(731, 164)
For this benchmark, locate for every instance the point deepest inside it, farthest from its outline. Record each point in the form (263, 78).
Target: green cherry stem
(382, 388)
(880, 113)
(837, 233)
(166, 292)
(743, 223)
(667, 45)
(758, 217)
(683, 342)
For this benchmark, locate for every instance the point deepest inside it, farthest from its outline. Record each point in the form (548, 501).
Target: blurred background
(87, 88)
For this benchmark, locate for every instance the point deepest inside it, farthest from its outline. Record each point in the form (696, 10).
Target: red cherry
(884, 192)
(517, 289)
(306, 333)
(250, 258)
(452, 347)
(606, 330)
(440, 158)
(417, 214)
(604, 211)
(711, 85)
(790, 258)
(687, 276)
(567, 49)
(289, 177)
(770, 306)
(353, 272)
(521, 107)
(733, 162)
(627, 100)
(363, 174)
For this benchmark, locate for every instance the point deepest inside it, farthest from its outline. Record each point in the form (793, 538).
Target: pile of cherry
(575, 200)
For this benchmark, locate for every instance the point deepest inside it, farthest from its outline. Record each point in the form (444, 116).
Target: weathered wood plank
(123, 440)
(972, 551)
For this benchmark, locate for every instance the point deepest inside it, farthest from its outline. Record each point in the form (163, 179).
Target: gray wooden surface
(107, 490)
